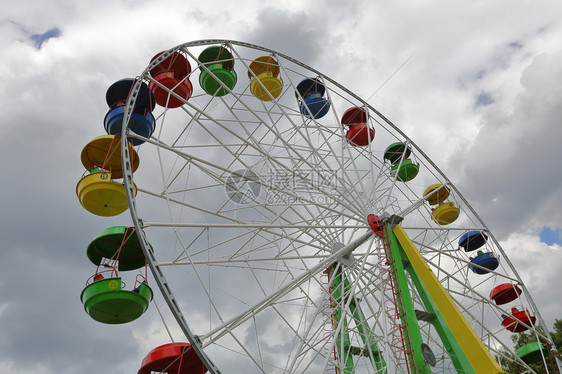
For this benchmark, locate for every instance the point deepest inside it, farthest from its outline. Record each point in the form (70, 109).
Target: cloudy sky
(475, 84)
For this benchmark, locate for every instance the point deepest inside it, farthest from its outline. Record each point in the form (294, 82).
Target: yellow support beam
(476, 352)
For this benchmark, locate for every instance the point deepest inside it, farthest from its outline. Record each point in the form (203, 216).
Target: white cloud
(538, 265)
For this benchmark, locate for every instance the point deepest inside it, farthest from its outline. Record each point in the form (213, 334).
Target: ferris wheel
(292, 228)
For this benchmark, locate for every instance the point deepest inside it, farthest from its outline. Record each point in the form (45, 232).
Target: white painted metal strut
(247, 225)
(237, 320)
(159, 277)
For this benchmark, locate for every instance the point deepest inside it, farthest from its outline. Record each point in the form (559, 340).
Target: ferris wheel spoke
(299, 153)
(208, 168)
(299, 339)
(229, 218)
(255, 250)
(295, 283)
(193, 160)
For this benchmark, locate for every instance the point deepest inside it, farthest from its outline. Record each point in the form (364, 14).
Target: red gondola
(520, 321)
(358, 132)
(360, 135)
(173, 358)
(354, 116)
(504, 293)
(172, 73)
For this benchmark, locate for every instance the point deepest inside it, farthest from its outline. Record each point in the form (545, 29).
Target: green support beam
(344, 304)
(338, 292)
(466, 348)
(410, 326)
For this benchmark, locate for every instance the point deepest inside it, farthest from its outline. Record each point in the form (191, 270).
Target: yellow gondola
(445, 212)
(266, 84)
(105, 152)
(436, 197)
(102, 196)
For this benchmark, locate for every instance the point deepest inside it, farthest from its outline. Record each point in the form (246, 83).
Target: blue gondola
(141, 124)
(118, 92)
(487, 261)
(142, 121)
(472, 240)
(312, 104)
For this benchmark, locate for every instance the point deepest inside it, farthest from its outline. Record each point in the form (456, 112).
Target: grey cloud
(298, 35)
(511, 166)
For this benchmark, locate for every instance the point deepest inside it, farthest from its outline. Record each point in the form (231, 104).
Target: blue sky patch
(39, 39)
(483, 99)
(550, 236)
